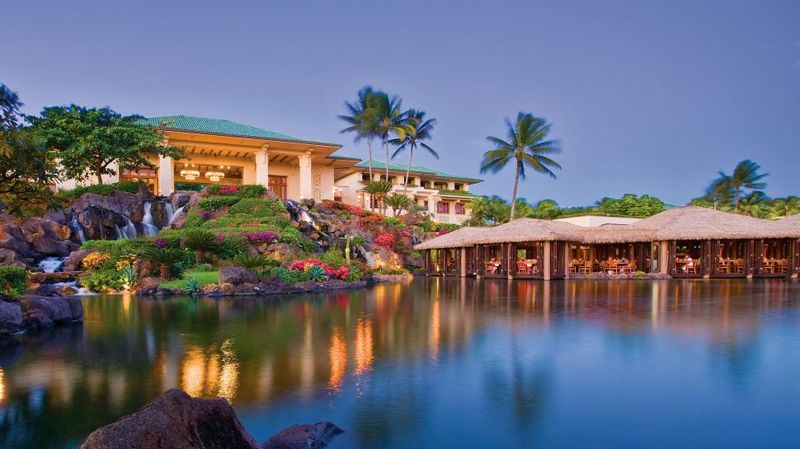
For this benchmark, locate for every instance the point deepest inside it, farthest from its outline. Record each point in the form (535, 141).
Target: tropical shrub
(308, 264)
(102, 281)
(251, 191)
(94, 261)
(194, 220)
(104, 189)
(333, 257)
(393, 222)
(169, 260)
(355, 274)
(127, 276)
(254, 262)
(118, 249)
(200, 241)
(13, 281)
(192, 286)
(290, 276)
(217, 202)
(398, 202)
(259, 207)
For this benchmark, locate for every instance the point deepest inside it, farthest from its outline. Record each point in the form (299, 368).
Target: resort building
(226, 152)
(444, 196)
(684, 242)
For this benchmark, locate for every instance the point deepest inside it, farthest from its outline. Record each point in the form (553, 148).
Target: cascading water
(76, 226)
(170, 211)
(129, 231)
(177, 214)
(51, 264)
(147, 220)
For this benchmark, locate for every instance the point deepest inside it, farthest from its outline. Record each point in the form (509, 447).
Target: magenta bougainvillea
(262, 237)
(160, 243)
(204, 214)
(230, 189)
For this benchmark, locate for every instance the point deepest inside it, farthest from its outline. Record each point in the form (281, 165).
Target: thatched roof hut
(461, 237)
(530, 230)
(789, 225)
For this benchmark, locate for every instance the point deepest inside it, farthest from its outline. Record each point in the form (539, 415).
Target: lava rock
(75, 259)
(236, 276)
(10, 317)
(57, 308)
(174, 420)
(304, 436)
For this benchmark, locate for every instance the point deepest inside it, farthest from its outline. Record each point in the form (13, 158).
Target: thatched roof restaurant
(685, 241)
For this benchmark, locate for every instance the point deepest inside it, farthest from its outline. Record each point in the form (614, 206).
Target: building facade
(226, 152)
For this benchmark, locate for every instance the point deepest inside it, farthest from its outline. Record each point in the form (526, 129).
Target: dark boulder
(236, 276)
(304, 436)
(75, 259)
(175, 421)
(10, 317)
(60, 309)
(184, 197)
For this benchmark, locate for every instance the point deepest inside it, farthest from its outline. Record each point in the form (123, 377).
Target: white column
(305, 175)
(262, 166)
(166, 175)
(463, 262)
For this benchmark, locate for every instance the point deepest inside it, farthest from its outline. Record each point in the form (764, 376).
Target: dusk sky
(646, 96)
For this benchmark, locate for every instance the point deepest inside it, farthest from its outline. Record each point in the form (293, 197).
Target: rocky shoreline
(37, 312)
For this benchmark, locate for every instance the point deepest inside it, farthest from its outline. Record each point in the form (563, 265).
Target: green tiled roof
(220, 127)
(378, 165)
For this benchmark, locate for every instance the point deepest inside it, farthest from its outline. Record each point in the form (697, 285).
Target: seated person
(624, 261)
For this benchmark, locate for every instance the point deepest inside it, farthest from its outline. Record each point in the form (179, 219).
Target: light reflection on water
(439, 363)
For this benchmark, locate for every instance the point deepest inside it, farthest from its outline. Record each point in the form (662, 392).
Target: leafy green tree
(26, 167)
(527, 145)
(362, 120)
(489, 211)
(745, 176)
(546, 209)
(89, 140)
(720, 192)
(418, 130)
(398, 202)
(631, 205)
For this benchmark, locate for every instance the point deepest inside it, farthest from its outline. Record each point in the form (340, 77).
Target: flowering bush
(93, 261)
(204, 214)
(160, 243)
(220, 239)
(405, 233)
(385, 240)
(262, 237)
(367, 220)
(355, 210)
(230, 189)
(307, 264)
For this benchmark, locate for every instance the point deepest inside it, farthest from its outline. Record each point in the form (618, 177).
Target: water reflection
(390, 362)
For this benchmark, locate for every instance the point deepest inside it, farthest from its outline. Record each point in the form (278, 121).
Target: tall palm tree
(527, 145)
(720, 191)
(745, 176)
(390, 119)
(362, 120)
(419, 130)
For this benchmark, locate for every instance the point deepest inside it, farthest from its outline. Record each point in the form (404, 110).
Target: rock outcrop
(10, 317)
(174, 420)
(236, 276)
(33, 312)
(24, 241)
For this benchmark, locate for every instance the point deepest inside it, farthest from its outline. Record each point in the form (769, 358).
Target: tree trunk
(514, 192)
(386, 145)
(199, 256)
(99, 174)
(736, 199)
(369, 150)
(408, 170)
(165, 271)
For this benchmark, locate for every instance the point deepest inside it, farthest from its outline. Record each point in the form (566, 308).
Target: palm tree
(389, 118)
(783, 207)
(527, 145)
(745, 176)
(720, 191)
(418, 130)
(361, 120)
(756, 204)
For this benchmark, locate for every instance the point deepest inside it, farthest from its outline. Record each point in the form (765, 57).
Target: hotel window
(277, 184)
(459, 186)
(365, 177)
(442, 207)
(426, 184)
(460, 210)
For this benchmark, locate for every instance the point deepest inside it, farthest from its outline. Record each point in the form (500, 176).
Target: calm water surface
(438, 363)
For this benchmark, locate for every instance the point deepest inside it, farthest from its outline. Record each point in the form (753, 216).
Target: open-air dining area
(684, 242)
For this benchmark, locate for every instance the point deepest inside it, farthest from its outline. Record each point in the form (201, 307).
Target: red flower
(386, 240)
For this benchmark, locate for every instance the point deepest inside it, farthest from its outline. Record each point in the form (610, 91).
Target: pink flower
(228, 189)
(262, 237)
(385, 240)
(160, 243)
(220, 238)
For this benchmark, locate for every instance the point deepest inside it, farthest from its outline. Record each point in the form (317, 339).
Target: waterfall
(79, 291)
(51, 264)
(170, 210)
(147, 220)
(118, 233)
(181, 210)
(129, 231)
(76, 226)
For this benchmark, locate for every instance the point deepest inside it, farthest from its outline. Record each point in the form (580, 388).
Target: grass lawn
(203, 278)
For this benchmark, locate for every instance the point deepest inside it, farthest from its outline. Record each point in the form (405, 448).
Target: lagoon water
(439, 363)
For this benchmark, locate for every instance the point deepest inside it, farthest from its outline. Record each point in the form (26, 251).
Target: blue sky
(646, 96)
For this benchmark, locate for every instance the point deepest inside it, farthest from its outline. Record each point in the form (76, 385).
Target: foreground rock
(10, 317)
(263, 288)
(174, 420)
(304, 436)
